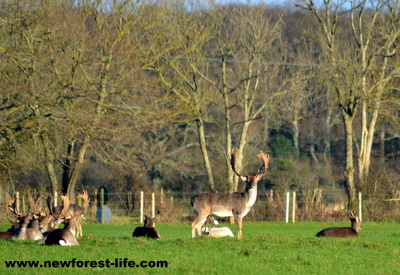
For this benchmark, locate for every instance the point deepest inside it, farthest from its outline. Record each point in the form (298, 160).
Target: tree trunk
(232, 179)
(203, 148)
(77, 168)
(67, 167)
(349, 171)
(367, 137)
(49, 161)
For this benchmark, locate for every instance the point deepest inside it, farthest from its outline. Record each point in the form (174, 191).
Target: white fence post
(360, 205)
(294, 207)
(141, 206)
(287, 206)
(153, 204)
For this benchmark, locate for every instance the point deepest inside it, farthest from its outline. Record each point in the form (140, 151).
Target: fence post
(287, 206)
(101, 205)
(141, 206)
(360, 205)
(153, 204)
(55, 199)
(294, 207)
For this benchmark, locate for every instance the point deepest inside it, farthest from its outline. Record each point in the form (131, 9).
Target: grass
(266, 248)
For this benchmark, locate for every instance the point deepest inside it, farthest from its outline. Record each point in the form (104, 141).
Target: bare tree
(360, 68)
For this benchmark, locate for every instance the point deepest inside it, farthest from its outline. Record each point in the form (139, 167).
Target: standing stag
(343, 232)
(227, 205)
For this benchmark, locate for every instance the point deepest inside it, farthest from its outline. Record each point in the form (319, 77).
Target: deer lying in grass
(25, 233)
(343, 232)
(216, 232)
(74, 211)
(227, 205)
(147, 230)
(27, 227)
(65, 236)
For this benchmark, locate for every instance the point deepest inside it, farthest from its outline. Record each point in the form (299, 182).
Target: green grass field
(266, 248)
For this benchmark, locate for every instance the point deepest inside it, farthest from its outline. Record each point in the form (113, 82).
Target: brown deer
(75, 211)
(147, 230)
(48, 220)
(5, 235)
(25, 233)
(343, 232)
(63, 237)
(232, 204)
(28, 226)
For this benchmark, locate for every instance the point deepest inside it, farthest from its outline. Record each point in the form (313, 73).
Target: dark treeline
(155, 94)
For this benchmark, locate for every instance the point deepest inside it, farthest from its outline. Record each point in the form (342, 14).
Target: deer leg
(239, 224)
(78, 229)
(196, 225)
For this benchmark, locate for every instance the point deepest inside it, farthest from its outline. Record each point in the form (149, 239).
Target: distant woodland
(156, 94)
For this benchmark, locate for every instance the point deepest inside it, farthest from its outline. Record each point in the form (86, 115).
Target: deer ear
(244, 178)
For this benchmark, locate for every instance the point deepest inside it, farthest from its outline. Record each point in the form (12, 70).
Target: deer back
(343, 232)
(5, 235)
(221, 204)
(338, 232)
(149, 232)
(62, 237)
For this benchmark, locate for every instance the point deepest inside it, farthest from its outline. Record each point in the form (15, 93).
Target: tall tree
(360, 69)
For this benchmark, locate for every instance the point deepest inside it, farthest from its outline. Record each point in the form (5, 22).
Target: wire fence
(309, 205)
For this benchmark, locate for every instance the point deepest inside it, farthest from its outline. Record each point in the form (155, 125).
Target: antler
(261, 155)
(32, 204)
(12, 221)
(11, 206)
(234, 155)
(265, 159)
(86, 200)
(67, 202)
(49, 202)
(38, 199)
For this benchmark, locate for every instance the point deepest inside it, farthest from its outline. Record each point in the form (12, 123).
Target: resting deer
(64, 237)
(227, 205)
(217, 232)
(75, 211)
(28, 226)
(25, 233)
(147, 230)
(48, 220)
(343, 232)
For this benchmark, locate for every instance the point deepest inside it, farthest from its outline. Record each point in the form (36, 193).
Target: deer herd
(42, 225)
